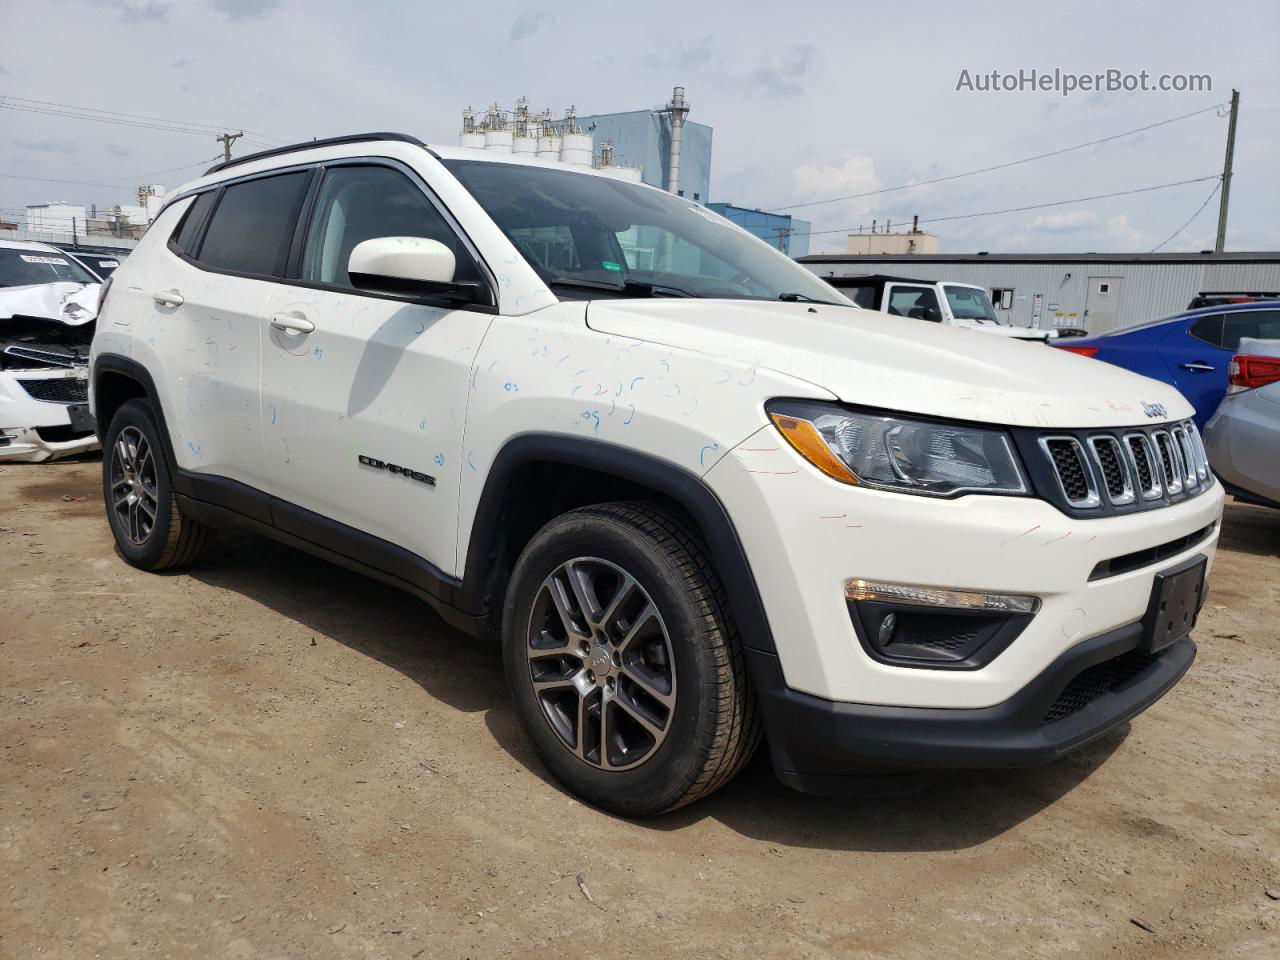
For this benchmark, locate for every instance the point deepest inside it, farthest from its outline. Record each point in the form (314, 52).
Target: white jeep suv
(699, 496)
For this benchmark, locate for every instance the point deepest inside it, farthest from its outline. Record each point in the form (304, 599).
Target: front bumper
(33, 429)
(822, 746)
(805, 535)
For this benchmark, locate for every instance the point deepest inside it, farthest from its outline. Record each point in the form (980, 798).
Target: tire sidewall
(135, 413)
(682, 755)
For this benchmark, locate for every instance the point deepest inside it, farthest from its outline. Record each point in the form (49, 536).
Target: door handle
(168, 298)
(292, 323)
(1198, 367)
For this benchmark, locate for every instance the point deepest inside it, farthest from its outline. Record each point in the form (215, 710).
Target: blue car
(1190, 351)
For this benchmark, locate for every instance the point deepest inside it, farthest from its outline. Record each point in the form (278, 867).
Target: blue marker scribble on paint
(562, 359)
(273, 413)
(422, 424)
(702, 454)
(579, 373)
(635, 381)
(725, 380)
(576, 388)
(317, 353)
(631, 416)
(491, 366)
(612, 406)
(747, 383)
(618, 392)
(599, 390)
(475, 372)
(469, 461)
(439, 459)
(511, 387)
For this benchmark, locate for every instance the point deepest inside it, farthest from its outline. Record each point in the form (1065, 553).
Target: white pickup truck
(948, 303)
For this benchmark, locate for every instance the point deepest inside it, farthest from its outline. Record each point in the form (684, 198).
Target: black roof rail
(309, 144)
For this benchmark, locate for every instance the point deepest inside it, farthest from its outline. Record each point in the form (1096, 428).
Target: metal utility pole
(1226, 173)
(227, 139)
(784, 233)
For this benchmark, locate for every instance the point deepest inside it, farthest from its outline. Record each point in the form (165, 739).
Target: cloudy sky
(808, 100)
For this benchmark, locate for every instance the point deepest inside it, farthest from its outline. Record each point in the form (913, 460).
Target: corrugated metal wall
(1147, 291)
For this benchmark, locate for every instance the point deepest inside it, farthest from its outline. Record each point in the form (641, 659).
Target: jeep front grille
(1137, 468)
(1072, 469)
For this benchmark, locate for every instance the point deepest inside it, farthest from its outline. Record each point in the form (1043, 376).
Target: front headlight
(900, 453)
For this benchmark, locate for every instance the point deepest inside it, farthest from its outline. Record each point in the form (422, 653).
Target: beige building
(891, 244)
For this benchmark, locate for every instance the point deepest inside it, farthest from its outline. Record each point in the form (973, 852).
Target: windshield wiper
(632, 288)
(804, 297)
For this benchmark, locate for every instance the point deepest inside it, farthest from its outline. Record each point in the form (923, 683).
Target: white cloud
(1062, 222)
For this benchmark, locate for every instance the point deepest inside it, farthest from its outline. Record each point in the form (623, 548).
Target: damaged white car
(48, 305)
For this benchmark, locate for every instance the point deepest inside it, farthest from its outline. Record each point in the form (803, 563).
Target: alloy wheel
(601, 664)
(134, 490)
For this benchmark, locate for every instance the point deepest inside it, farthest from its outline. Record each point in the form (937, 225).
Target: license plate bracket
(81, 420)
(1176, 598)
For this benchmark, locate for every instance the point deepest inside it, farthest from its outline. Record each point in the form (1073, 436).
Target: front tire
(625, 667)
(149, 527)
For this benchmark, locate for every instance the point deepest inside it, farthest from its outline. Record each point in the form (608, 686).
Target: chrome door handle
(168, 298)
(291, 323)
(1198, 367)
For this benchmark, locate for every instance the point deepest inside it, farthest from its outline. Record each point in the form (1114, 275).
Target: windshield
(598, 234)
(970, 303)
(21, 267)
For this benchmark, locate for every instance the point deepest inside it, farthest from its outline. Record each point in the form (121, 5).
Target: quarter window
(253, 224)
(1208, 329)
(358, 203)
(189, 229)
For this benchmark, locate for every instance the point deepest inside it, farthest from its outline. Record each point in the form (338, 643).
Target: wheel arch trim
(662, 476)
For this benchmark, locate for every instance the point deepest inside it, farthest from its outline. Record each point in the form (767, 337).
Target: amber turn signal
(804, 436)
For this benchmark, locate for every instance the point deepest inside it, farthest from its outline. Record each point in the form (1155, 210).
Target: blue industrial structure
(642, 138)
(780, 230)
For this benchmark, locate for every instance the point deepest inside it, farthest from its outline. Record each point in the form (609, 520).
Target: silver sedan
(1243, 436)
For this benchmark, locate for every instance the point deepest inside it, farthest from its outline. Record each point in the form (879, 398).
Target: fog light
(878, 591)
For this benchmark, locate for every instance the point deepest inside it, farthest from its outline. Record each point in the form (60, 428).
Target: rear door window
(252, 225)
(1264, 324)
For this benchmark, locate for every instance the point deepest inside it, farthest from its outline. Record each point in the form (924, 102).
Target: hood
(1017, 333)
(870, 359)
(74, 304)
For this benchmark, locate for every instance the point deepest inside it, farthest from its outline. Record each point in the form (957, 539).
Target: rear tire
(149, 527)
(625, 666)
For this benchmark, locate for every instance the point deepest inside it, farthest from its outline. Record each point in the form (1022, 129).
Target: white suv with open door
(698, 496)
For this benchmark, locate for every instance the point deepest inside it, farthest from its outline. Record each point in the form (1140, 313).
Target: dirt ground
(272, 757)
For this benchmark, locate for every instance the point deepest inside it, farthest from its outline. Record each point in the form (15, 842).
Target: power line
(1200, 209)
(998, 166)
(156, 173)
(72, 111)
(1040, 206)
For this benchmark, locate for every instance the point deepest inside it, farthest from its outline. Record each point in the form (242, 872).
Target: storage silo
(497, 135)
(524, 134)
(472, 133)
(575, 146)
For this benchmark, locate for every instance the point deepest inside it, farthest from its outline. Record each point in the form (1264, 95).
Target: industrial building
(659, 147)
(780, 230)
(1095, 291)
